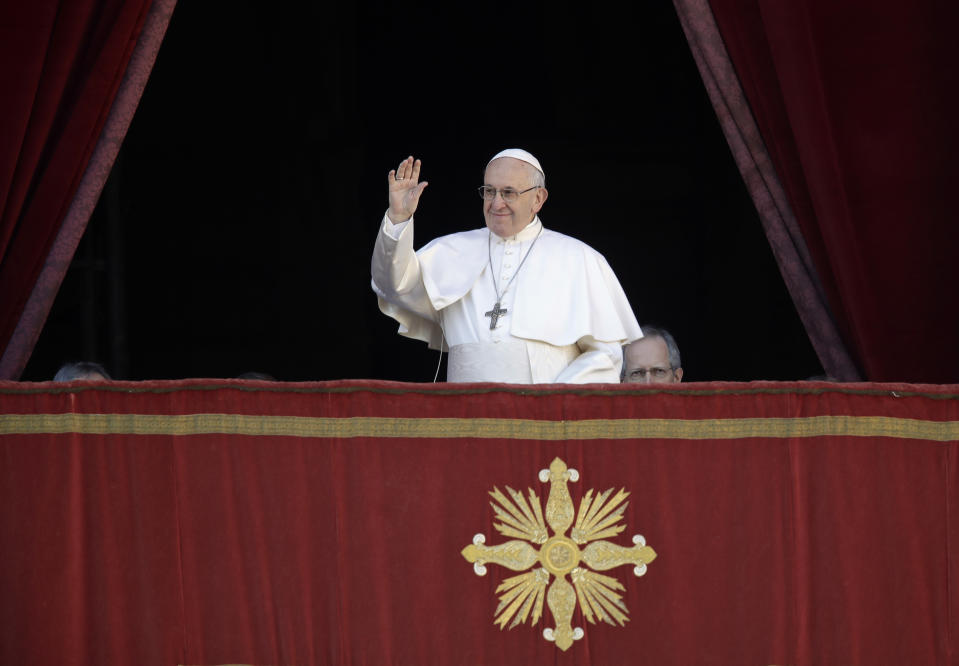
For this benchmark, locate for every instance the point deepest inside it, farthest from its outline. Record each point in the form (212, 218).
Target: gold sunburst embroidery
(522, 519)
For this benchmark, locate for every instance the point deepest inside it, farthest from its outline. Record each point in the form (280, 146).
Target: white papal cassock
(566, 318)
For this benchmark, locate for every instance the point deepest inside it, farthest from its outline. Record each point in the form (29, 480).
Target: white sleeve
(396, 273)
(599, 363)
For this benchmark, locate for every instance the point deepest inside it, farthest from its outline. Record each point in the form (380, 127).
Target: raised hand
(405, 190)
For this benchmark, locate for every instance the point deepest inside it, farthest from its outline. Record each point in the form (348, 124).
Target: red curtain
(754, 163)
(211, 522)
(64, 63)
(856, 102)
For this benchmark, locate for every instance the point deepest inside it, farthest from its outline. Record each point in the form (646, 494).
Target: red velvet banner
(213, 522)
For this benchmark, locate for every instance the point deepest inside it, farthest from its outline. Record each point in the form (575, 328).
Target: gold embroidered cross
(559, 555)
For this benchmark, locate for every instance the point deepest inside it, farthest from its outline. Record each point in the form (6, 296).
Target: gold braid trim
(479, 428)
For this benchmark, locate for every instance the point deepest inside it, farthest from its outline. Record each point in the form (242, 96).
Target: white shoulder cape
(565, 291)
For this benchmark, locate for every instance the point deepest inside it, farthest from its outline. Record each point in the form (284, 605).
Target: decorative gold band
(481, 428)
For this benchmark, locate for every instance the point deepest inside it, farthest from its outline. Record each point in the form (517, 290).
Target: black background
(235, 231)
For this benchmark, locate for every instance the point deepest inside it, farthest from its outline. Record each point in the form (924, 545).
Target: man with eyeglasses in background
(513, 302)
(653, 359)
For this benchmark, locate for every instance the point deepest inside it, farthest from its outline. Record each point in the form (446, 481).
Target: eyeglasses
(654, 373)
(508, 193)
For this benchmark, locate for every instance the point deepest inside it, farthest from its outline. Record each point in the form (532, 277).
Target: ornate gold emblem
(559, 555)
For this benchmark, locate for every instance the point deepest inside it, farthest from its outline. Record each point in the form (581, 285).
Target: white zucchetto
(521, 155)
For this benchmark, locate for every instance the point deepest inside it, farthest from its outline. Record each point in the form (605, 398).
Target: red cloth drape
(856, 102)
(63, 64)
(754, 163)
(211, 522)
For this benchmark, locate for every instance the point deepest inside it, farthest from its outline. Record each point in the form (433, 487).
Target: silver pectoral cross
(495, 314)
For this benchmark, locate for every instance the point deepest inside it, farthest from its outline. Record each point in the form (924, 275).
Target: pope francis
(513, 302)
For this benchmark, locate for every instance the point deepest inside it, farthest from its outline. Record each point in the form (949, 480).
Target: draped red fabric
(764, 186)
(213, 522)
(856, 102)
(63, 63)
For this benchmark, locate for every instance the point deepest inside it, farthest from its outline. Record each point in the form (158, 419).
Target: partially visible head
(81, 370)
(513, 170)
(821, 378)
(257, 375)
(653, 359)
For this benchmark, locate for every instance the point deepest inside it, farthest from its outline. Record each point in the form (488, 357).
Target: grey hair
(80, 370)
(675, 362)
(539, 178)
(672, 349)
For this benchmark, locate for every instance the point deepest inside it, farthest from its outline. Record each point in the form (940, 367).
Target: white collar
(527, 233)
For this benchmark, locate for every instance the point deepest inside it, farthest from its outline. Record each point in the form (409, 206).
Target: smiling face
(508, 219)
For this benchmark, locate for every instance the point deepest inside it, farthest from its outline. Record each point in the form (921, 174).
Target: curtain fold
(80, 68)
(756, 167)
(856, 105)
